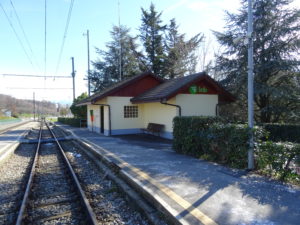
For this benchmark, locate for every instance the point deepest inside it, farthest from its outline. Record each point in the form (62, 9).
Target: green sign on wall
(194, 89)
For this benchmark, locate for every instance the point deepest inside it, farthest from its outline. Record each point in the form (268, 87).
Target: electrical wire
(64, 36)
(17, 36)
(31, 75)
(29, 88)
(25, 36)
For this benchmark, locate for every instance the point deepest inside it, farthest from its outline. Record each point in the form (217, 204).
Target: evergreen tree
(181, 55)
(276, 39)
(118, 62)
(79, 111)
(151, 35)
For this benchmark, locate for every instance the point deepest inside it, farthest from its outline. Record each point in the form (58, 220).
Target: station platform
(11, 139)
(195, 191)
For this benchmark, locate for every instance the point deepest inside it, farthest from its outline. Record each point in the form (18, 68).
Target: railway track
(53, 193)
(40, 170)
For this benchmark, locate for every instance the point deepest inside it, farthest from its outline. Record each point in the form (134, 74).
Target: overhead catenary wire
(64, 36)
(39, 88)
(25, 36)
(17, 36)
(31, 75)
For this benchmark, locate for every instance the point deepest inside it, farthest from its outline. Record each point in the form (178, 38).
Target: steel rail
(83, 198)
(29, 183)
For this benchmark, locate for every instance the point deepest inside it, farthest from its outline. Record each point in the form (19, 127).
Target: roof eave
(83, 103)
(145, 100)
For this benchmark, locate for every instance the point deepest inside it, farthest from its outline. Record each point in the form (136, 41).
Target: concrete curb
(112, 172)
(7, 151)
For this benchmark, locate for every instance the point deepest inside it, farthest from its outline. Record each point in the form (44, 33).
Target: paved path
(9, 124)
(12, 137)
(196, 191)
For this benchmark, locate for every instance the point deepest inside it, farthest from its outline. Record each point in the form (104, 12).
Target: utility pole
(120, 43)
(88, 60)
(250, 87)
(73, 76)
(33, 106)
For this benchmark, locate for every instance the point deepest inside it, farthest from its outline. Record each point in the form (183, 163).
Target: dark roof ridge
(115, 87)
(172, 86)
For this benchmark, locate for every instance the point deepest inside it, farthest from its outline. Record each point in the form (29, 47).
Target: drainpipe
(109, 116)
(164, 102)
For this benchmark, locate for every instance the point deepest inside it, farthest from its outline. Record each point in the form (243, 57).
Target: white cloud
(197, 5)
(175, 6)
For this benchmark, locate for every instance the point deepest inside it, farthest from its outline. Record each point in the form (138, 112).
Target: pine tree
(276, 39)
(118, 62)
(151, 35)
(181, 57)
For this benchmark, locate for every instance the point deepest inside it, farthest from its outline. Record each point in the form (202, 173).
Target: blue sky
(98, 16)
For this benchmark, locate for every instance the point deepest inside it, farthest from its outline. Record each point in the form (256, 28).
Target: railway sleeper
(46, 180)
(47, 140)
(41, 192)
(73, 213)
(38, 213)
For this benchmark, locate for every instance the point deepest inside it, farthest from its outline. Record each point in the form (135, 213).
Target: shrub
(226, 143)
(212, 139)
(276, 158)
(283, 132)
(75, 122)
(186, 130)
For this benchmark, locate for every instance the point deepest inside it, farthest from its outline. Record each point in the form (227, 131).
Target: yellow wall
(96, 108)
(159, 113)
(191, 105)
(197, 104)
(117, 113)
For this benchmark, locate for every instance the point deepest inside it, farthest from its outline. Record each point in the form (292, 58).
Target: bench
(154, 128)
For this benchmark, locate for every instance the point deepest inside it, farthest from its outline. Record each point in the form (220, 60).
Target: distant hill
(22, 106)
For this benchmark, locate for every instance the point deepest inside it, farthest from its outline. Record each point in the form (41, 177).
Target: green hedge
(275, 159)
(283, 132)
(212, 139)
(186, 130)
(75, 122)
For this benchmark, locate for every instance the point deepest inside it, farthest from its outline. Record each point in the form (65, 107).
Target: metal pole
(250, 87)
(33, 106)
(73, 75)
(88, 52)
(120, 43)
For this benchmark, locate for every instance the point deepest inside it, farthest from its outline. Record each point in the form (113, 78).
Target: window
(131, 111)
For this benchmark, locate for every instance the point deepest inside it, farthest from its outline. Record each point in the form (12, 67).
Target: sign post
(92, 118)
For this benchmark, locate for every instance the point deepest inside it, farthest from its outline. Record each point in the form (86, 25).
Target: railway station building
(131, 105)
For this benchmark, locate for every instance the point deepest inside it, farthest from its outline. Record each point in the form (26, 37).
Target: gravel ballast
(13, 180)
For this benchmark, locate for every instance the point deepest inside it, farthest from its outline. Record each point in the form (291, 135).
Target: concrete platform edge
(168, 212)
(8, 150)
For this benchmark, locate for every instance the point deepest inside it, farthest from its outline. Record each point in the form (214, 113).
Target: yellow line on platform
(203, 218)
(170, 193)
